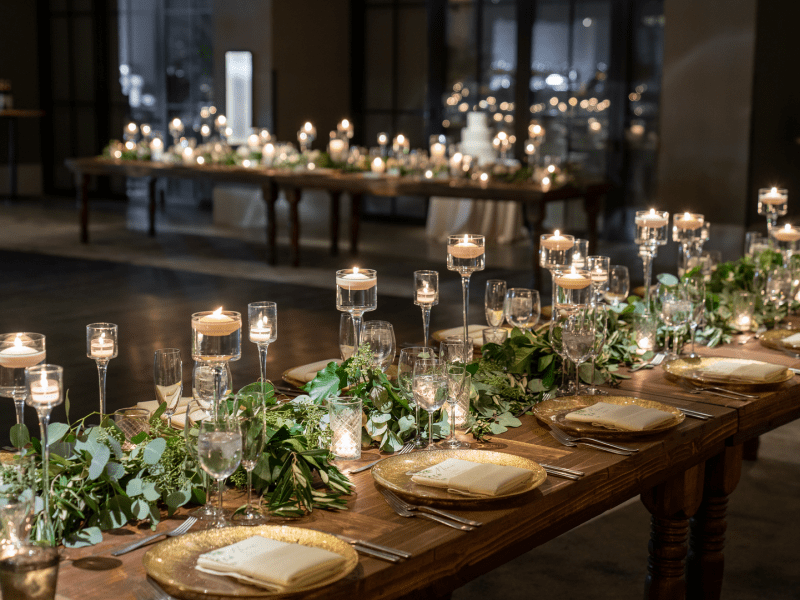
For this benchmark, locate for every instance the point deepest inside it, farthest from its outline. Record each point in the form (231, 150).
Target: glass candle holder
(651, 232)
(690, 230)
(132, 422)
(599, 267)
(262, 320)
(29, 572)
(45, 385)
(573, 288)
(645, 326)
(101, 346)
(495, 335)
(356, 293)
(18, 351)
(216, 336)
(554, 253)
(743, 308)
(787, 240)
(345, 421)
(579, 253)
(465, 255)
(772, 203)
(426, 296)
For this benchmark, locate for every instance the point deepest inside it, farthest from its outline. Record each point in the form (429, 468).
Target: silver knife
(373, 545)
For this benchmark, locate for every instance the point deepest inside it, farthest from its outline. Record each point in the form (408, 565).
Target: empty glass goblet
(405, 376)
(430, 389)
(379, 336)
(347, 336)
(167, 372)
(522, 308)
(459, 383)
(251, 423)
(619, 284)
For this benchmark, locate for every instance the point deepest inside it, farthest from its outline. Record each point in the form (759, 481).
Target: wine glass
(778, 288)
(578, 331)
(379, 336)
(45, 385)
(347, 340)
(675, 312)
(17, 497)
(598, 270)
(251, 417)
(494, 302)
(17, 351)
(101, 345)
(457, 386)
(219, 450)
(167, 372)
(465, 255)
(356, 293)
(522, 308)
(405, 377)
(426, 296)
(430, 389)
(557, 343)
(695, 286)
(619, 284)
(601, 331)
(262, 319)
(195, 414)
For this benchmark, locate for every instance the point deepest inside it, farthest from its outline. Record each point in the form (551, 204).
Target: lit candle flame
(545, 181)
(686, 215)
(557, 233)
(787, 227)
(44, 380)
(260, 323)
(17, 341)
(574, 270)
(345, 123)
(401, 138)
(102, 337)
(217, 313)
(774, 190)
(551, 169)
(308, 126)
(652, 211)
(355, 270)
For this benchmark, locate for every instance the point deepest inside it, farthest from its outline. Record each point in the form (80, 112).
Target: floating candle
(465, 249)
(378, 166)
(787, 233)
(557, 242)
(653, 219)
(573, 279)
(425, 295)
(44, 392)
(356, 280)
(20, 356)
(689, 221)
(773, 196)
(216, 323)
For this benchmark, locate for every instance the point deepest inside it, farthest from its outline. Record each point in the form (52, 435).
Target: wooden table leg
(671, 504)
(706, 561)
(151, 206)
(82, 181)
(335, 198)
(270, 193)
(355, 216)
(293, 195)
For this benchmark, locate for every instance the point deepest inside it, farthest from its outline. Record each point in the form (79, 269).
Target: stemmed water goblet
(251, 417)
(651, 232)
(216, 340)
(578, 336)
(573, 290)
(168, 375)
(405, 379)
(459, 384)
(356, 293)
(601, 331)
(45, 385)
(430, 389)
(18, 351)
(101, 345)
(262, 320)
(554, 254)
(17, 497)
(778, 290)
(426, 296)
(465, 255)
(379, 336)
(494, 302)
(619, 284)
(772, 203)
(219, 450)
(676, 310)
(522, 308)
(695, 286)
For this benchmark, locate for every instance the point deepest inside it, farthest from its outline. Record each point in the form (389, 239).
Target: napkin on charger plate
(743, 370)
(627, 417)
(178, 419)
(271, 563)
(306, 373)
(475, 332)
(792, 340)
(473, 479)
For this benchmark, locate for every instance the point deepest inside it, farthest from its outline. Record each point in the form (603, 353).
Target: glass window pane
(412, 63)
(378, 58)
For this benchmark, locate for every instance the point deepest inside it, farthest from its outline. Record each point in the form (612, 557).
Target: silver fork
(408, 447)
(557, 434)
(560, 434)
(434, 511)
(179, 530)
(545, 396)
(403, 512)
(658, 359)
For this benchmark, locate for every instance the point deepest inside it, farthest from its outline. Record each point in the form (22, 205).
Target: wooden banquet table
(683, 476)
(335, 183)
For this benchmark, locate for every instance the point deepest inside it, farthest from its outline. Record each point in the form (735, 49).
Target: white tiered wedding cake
(476, 139)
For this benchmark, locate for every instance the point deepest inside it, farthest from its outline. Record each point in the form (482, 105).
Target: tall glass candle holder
(356, 293)
(426, 296)
(690, 230)
(787, 240)
(262, 319)
(651, 232)
(580, 250)
(573, 289)
(217, 340)
(18, 351)
(465, 255)
(554, 253)
(101, 346)
(772, 203)
(598, 266)
(45, 385)
(345, 418)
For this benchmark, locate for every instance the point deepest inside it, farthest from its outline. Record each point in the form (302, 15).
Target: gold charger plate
(774, 339)
(172, 562)
(395, 473)
(688, 369)
(554, 412)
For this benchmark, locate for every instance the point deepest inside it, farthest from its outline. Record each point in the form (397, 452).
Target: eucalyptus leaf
(99, 462)
(154, 450)
(88, 536)
(56, 431)
(20, 436)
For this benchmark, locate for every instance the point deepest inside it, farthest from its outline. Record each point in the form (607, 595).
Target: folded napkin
(628, 417)
(471, 478)
(475, 332)
(178, 419)
(271, 563)
(307, 372)
(792, 340)
(743, 370)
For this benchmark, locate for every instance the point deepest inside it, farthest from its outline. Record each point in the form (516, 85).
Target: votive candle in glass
(345, 421)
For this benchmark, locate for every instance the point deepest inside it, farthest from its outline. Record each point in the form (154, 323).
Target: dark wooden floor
(59, 297)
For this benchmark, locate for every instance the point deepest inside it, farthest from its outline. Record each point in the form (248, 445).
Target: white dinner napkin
(628, 417)
(306, 373)
(271, 563)
(735, 369)
(792, 340)
(475, 332)
(467, 477)
(178, 419)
